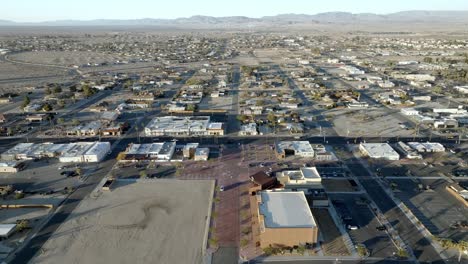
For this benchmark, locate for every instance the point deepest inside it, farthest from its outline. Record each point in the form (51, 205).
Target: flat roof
(5, 229)
(298, 146)
(286, 209)
(380, 150)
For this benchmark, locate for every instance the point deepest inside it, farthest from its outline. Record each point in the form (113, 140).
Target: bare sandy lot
(151, 221)
(63, 58)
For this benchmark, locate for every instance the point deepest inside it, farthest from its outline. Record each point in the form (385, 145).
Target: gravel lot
(164, 222)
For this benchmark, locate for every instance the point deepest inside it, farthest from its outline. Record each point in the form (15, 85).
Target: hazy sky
(40, 10)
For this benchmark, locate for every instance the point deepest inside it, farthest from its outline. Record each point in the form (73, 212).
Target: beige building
(284, 219)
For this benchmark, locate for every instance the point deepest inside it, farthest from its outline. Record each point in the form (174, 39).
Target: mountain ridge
(280, 19)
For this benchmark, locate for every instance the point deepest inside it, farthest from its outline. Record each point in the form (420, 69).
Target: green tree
(437, 90)
(19, 195)
(75, 122)
(48, 91)
(22, 225)
(143, 174)
(242, 118)
(191, 107)
(26, 101)
(46, 107)
(244, 242)
(57, 89)
(260, 103)
(79, 171)
(428, 60)
(271, 118)
(88, 91)
(60, 120)
(301, 249)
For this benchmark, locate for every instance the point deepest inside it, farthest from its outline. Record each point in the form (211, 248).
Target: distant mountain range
(429, 17)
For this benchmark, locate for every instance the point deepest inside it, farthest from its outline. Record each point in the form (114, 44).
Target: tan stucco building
(284, 219)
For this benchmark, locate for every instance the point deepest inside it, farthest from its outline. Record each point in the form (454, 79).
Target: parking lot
(46, 175)
(434, 206)
(332, 241)
(144, 170)
(362, 224)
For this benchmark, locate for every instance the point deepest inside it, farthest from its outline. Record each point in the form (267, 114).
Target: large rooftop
(286, 210)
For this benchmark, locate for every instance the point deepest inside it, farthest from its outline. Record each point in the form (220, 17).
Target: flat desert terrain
(149, 221)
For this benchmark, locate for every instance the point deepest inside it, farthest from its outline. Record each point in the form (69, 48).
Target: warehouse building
(177, 126)
(379, 151)
(285, 219)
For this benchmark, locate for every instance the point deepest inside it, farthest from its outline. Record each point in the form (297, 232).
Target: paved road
(423, 250)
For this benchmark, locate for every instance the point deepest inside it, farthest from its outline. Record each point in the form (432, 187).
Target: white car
(221, 188)
(352, 227)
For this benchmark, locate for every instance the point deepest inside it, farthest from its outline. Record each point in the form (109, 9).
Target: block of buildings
(379, 151)
(162, 151)
(294, 148)
(184, 126)
(72, 152)
(427, 147)
(407, 151)
(285, 219)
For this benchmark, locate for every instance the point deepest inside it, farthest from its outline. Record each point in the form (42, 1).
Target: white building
(427, 147)
(248, 130)
(409, 111)
(379, 151)
(298, 148)
(183, 126)
(201, 154)
(85, 152)
(462, 89)
(154, 151)
(420, 77)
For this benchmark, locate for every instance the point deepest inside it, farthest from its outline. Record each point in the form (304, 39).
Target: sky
(47, 10)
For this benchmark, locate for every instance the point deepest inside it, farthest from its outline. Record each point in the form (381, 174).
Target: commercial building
(427, 147)
(409, 112)
(72, 152)
(248, 130)
(189, 150)
(92, 128)
(201, 154)
(85, 152)
(322, 154)
(379, 151)
(307, 180)
(294, 148)
(184, 126)
(11, 166)
(154, 151)
(285, 219)
(261, 181)
(407, 151)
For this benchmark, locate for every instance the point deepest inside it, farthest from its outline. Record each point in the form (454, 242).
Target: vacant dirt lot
(152, 221)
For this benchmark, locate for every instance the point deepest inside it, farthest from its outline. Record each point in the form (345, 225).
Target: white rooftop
(286, 210)
(378, 150)
(5, 229)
